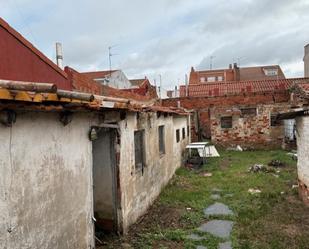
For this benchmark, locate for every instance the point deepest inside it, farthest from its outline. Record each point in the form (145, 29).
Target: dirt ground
(275, 218)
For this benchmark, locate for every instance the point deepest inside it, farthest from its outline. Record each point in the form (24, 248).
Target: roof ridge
(245, 81)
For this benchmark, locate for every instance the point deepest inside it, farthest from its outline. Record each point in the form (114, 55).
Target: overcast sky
(165, 37)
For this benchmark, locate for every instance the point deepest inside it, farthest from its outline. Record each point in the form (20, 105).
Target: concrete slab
(218, 209)
(201, 247)
(195, 237)
(225, 245)
(218, 228)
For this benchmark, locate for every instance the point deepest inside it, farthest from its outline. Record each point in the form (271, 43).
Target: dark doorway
(104, 180)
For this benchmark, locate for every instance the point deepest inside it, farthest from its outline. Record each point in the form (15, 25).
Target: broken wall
(139, 188)
(205, 122)
(248, 130)
(46, 183)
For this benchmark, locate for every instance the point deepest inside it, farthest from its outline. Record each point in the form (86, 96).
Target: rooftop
(98, 74)
(241, 87)
(46, 97)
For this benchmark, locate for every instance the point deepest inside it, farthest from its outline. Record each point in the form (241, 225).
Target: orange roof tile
(137, 82)
(98, 74)
(66, 100)
(257, 73)
(241, 87)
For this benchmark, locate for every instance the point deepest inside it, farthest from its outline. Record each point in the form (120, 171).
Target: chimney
(306, 61)
(236, 72)
(230, 66)
(186, 82)
(59, 55)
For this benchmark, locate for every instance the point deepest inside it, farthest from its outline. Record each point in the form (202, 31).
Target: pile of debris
(276, 164)
(271, 168)
(260, 168)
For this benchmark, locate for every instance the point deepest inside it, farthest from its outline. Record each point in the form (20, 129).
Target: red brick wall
(244, 99)
(227, 74)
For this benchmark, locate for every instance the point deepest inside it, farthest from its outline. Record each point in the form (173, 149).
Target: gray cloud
(166, 37)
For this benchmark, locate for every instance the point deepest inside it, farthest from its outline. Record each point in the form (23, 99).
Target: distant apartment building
(235, 73)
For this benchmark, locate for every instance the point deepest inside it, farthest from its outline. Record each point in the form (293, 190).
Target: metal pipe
(75, 95)
(28, 86)
(59, 55)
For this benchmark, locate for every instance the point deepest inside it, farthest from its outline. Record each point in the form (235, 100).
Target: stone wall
(248, 130)
(251, 131)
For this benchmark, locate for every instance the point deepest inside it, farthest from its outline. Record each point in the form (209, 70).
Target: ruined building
(77, 155)
(300, 114)
(232, 111)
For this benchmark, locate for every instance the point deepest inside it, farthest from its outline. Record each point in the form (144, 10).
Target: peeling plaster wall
(117, 79)
(302, 133)
(140, 189)
(46, 183)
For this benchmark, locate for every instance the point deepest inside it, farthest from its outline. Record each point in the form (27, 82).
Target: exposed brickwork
(144, 89)
(303, 192)
(247, 131)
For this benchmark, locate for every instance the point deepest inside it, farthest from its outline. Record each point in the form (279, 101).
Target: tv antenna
(211, 58)
(238, 59)
(110, 55)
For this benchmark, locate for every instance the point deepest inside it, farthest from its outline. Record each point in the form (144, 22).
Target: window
(139, 146)
(183, 133)
(211, 79)
(271, 72)
(274, 121)
(226, 122)
(202, 79)
(220, 78)
(177, 135)
(248, 111)
(161, 139)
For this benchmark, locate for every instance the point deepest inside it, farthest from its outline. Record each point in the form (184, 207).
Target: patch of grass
(275, 218)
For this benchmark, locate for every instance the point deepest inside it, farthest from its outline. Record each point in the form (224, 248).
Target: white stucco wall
(140, 189)
(46, 183)
(302, 137)
(117, 79)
